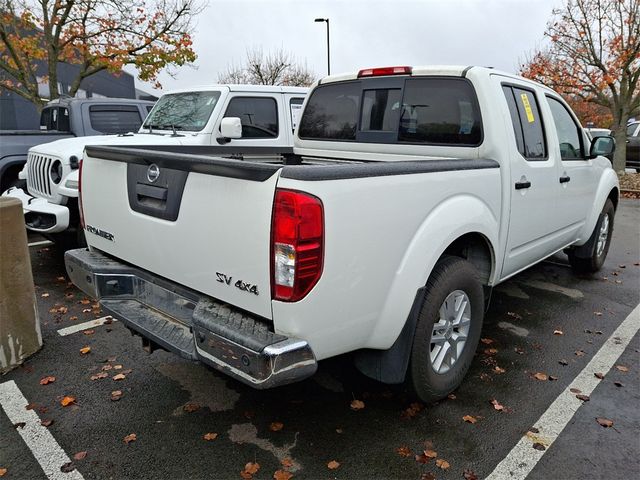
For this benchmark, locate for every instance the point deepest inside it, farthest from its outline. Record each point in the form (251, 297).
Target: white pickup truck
(231, 115)
(409, 194)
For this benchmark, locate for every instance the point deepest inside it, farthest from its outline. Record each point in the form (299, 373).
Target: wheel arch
(473, 240)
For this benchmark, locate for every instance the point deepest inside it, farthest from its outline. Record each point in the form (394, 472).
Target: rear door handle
(565, 179)
(522, 185)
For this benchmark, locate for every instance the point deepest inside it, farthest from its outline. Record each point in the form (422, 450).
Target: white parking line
(43, 242)
(63, 332)
(43, 446)
(523, 457)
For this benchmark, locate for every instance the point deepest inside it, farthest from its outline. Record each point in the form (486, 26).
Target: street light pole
(328, 47)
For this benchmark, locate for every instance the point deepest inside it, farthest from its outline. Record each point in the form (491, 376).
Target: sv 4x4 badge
(247, 287)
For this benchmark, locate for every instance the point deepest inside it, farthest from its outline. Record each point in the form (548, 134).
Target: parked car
(633, 146)
(64, 118)
(263, 115)
(409, 194)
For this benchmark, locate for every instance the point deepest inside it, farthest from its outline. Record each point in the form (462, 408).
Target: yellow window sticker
(527, 107)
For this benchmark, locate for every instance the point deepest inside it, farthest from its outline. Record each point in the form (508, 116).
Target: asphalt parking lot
(545, 332)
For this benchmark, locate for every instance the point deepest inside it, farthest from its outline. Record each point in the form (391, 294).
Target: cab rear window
(433, 111)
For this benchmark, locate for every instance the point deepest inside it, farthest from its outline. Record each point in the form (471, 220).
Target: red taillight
(80, 194)
(297, 238)
(383, 71)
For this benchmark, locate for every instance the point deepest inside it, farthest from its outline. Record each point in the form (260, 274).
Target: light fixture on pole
(328, 49)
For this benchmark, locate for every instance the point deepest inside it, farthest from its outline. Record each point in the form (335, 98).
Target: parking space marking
(43, 446)
(42, 243)
(523, 457)
(63, 332)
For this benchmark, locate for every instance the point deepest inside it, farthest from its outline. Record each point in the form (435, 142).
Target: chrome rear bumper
(190, 324)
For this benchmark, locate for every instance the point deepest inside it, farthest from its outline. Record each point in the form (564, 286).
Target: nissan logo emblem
(153, 172)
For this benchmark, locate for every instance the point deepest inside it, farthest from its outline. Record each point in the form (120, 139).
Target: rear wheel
(601, 240)
(448, 329)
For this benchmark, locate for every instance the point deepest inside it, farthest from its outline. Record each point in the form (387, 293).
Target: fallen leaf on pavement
(403, 451)
(541, 376)
(514, 315)
(19, 425)
(498, 370)
(618, 384)
(191, 407)
(210, 436)
(89, 331)
(605, 422)
(469, 419)
(106, 367)
(469, 475)
(86, 310)
(558, 332)
(412, 410)
(80, 455)
(597, 314)
(422, 458)
(486, 341)
(67, 467)
(584, 398)
(66, 401)
(622, 368)
(579, 353)
(100, 375)
(85, 350)
(85, 301)
(451, 396)
(443, 464)
(44, 295)
(430, 453)
(282, 475)
(47, 380)
(46, 423)
(130, 438)
(563, 362)
(497, 405)
(599, 375)
(575, 390)
(427, 476)
(332, 465)
(553, 378)
(286, 462)
(251, 468)
(539, 446)
(3, 472)
(117, 367)
(491, 351)
(356, 405)
(276, 426)
(116, 395)
(119, 376)
(73, 319)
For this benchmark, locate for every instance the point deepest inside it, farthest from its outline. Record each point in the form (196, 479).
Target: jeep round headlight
(56, 172)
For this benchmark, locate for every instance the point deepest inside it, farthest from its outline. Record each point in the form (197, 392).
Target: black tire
(450, 274)
(594, 261)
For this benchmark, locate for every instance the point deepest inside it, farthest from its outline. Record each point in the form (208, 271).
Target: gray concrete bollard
(20, 334)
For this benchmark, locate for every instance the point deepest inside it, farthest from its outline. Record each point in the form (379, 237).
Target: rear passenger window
(441, 112)
(527, 123)
(259, 116)
(631, 129)
(569, 133)
(114, 118)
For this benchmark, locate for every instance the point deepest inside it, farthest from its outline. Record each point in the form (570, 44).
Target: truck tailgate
(205, 224)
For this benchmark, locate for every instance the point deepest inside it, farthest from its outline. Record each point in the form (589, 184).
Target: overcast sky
(497, 33)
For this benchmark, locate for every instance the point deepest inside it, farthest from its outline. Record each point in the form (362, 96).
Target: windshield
(182, 111)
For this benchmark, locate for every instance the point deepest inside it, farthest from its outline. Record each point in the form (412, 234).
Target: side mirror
(231, 127)
(602, 146)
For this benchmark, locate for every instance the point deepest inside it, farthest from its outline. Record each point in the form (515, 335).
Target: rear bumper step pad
(191, 325)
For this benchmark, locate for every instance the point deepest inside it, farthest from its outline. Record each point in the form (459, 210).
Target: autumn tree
(273, 68)
(592, 52)
(95, 35)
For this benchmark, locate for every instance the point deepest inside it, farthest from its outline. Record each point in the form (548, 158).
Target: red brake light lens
(297, 243)
(384, 71)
